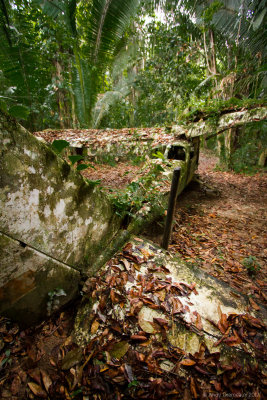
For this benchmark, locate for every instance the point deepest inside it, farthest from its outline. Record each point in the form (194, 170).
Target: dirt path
(221, 226)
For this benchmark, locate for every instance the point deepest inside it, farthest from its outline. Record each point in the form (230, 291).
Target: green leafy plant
(133, 383)
(7, 359)
(137, 193)
(158, 154)
(60, 145)
(75, 158)
(93, 182)
(251, 264)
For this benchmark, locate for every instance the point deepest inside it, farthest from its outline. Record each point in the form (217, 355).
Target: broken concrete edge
(40, 287)
(208, 300)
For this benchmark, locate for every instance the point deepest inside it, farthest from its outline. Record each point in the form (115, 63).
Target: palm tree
(91, 48)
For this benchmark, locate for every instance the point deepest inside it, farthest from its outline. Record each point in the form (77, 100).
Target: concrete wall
(47, 206)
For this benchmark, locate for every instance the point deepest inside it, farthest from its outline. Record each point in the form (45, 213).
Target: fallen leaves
(128, 353)
(220, 241)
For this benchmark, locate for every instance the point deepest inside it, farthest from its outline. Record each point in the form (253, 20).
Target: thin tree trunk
(230, 136)
(74, 120)
(206, 52)
(61, 97)
(212, 53)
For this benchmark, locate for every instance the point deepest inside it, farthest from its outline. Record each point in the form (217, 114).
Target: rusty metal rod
(171, 208)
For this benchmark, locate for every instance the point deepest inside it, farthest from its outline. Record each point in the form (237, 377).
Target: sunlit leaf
(37, 390)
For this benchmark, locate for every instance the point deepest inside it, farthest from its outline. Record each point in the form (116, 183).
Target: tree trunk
(229, 137)
(61, 98)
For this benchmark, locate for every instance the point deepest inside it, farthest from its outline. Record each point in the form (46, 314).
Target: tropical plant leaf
(75, 158)
(59, 145)
(19, 111)
(81, 167)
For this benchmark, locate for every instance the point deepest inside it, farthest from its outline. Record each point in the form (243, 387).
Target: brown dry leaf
(37, 390)
(94, 326)
(254, 304)
(146, 326)
(113, 296)
(223, 323)
(187, 394)
(119, 349)
(138, 337)
(145, 253)
(136, 266)
(161, 294)
(198, 322)
(68, 341)
(15, 385)
(46, 380)
(232, 341)
(52, 362)
(161, 322)
(177, 305)
(187, 362)
(126, 264)
(72, 358)
(35, 374)
(8, 338)
(193, 387)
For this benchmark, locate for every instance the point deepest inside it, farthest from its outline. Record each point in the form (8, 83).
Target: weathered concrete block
(32, 285)
(46, 204)
(62, 223)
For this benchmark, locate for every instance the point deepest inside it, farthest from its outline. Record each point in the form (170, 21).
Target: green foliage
(53, 56)
(75, 158)
(18, 111)
(250, 144)
(59, 145)
(81, 167)
(209, 12)
(251, 264)
(133, 383)
(138, 193)
(158, 154)
(93, 183)
(215, 108)
(7, 359)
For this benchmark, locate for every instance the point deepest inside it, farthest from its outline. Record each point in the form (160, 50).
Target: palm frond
(109, 19)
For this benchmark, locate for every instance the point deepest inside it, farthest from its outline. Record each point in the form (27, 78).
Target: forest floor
(220, 224)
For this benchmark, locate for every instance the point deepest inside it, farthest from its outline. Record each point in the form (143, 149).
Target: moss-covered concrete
(45, 203)
(53, 225)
